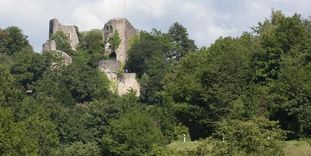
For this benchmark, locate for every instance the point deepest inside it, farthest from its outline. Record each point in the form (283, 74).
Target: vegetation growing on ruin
(62, 42)
(245, 95)
(115, 40)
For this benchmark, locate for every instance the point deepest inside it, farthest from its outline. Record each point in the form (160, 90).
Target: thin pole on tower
(124, 6)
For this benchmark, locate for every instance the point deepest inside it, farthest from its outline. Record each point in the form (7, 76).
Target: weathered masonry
(121, 81)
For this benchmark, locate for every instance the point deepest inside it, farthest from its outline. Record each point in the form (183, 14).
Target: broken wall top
(69, 31)
(126, 33)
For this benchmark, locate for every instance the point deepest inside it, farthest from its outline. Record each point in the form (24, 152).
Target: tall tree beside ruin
(12, 40)
(180, 36)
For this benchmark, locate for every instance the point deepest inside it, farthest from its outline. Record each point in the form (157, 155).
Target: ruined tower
(51, 46)
(69, 31)
(123, 81)
(126, 33)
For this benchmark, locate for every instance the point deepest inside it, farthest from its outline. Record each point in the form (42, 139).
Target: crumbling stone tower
(50, 45)
(126, 33)
(123, 82)
(70, 31)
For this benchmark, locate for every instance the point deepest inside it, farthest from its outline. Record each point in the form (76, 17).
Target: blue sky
(206, 20)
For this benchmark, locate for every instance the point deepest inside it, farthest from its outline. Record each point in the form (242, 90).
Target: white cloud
(205, 20)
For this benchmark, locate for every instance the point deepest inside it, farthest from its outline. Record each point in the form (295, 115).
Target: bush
(81, 149)
(253, 137)
(133, 134)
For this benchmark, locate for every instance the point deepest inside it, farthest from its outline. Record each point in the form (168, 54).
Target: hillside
(122, 91)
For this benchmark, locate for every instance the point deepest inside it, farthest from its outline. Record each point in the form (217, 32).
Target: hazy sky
(206, 20)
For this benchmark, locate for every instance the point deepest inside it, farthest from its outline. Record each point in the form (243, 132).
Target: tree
(206, 84)
(9, 90)
(52, 85)
(134, 133)
(88, 122)
(62, 42)
(30, 67)
(81, 149)
(12, 40)
(115, 40)
(5, 59)
(3, 42)
(277, 37)
(26, 130)
(253, 137)
(147, 58)
(290, 96)
(85, 83)
(281, 66)
(180, 36)
(14, 140)
(92, 42)
(91, 47)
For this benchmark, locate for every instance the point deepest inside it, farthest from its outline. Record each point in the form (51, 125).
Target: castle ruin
(50, 47)
(69, 31)
(126, 33)
(121, 81)
(114, 67)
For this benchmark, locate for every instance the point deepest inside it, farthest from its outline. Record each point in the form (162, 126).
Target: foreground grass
(291, 148)
(184, 147)
(297, 148)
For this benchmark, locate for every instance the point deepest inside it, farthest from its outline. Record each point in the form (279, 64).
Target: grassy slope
(181, 147)
(297, 148)
(291, 148)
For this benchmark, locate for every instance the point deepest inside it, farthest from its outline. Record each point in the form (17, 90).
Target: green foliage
(62, 42)
(208, 83)
(52, 85)
(134, 133)
(91, 47)
(92, 42)
(85, 83)
(29, 67)
(81, 149)
(146, 49)
(14, 140)
(290, 96)
(147, 58)
(88, 122)
(295, 147)
(183, 44)
(253, 137)
(226, 93)
(179, 148)
(278, 36)
(115, 40)
(26, 130)
(5, 59)
(3, 42)
(12, 40)
(9, 91)
(283, 64)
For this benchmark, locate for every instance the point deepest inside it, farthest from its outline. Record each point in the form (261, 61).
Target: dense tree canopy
(243, 94)
(183, 44)
(12, 40)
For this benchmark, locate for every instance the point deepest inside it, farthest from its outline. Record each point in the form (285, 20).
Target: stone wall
(123, 82)
(110, 68)
(49, 45)
(126, 32)
(70, 31)
(128, 82)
